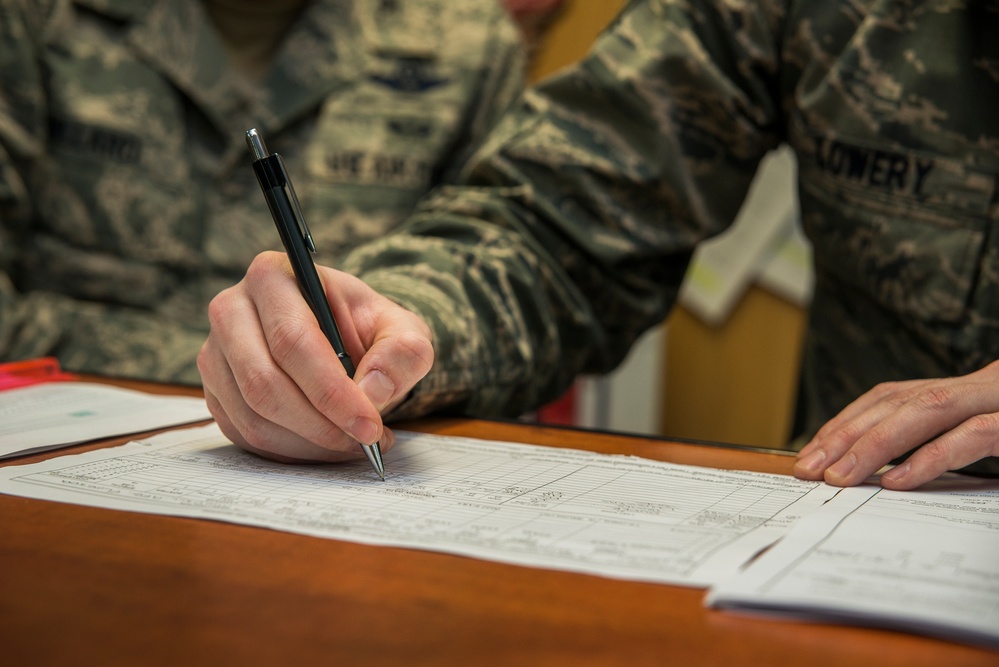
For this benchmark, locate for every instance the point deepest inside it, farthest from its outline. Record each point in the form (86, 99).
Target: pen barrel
(287, 214)
(309, 283)
(348, 365)
(269, 173)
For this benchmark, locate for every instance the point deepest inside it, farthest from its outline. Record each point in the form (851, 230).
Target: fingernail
(813, 462)
(364, 431)
(806, 450)
(378, 388)
(897, 474)
(844, 466)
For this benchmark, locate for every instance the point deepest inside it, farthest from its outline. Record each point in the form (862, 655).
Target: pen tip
(374, 456)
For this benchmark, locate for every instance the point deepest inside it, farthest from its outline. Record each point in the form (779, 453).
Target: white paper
(565, 509)
(58, 414)
(924, 561)
(761, 240)
(787, 272)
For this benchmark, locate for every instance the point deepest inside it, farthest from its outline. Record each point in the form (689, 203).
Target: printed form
(615, 516)
(924, 561)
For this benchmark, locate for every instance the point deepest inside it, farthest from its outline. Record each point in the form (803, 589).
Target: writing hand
(273, 382)
(950, 422)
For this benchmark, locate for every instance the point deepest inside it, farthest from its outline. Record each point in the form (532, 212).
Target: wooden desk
(86, 586)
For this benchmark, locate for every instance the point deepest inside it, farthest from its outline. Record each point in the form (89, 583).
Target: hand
(950, 422)
(273, 382)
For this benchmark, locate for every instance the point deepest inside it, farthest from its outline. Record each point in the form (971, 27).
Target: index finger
(935, 408)
(395, 345)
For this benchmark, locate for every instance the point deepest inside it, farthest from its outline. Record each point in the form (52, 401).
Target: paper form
(924, 561)
(564, 509)
(57, 414)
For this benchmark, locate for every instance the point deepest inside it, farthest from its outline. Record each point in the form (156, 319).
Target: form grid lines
(575, 510)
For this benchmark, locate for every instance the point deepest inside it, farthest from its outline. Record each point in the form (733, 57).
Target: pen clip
(296, 207)
(259, 151)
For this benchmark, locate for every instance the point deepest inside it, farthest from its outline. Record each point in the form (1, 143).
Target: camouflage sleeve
(577, 218)
(87, 337)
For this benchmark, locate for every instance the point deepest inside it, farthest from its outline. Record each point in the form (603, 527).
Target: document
(57, 414)
(925, 561)
(615, 516)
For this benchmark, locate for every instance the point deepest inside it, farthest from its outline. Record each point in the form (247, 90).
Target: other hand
(949, 422)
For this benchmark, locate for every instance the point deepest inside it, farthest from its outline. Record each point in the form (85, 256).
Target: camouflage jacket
(581, 210)
(126, 195)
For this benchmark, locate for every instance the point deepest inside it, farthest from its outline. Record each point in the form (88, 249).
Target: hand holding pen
(287, 213)
(271, 377)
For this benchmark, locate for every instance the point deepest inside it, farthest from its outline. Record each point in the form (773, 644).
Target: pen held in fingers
(287, 214)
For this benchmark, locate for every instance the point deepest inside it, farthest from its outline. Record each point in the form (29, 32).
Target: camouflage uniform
(126, 195)
(586, 202)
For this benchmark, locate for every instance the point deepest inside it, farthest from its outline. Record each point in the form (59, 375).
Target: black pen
(287, 214)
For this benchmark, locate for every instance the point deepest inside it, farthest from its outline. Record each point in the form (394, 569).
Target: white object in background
(630, 398)
(724, 267)
(788, 272)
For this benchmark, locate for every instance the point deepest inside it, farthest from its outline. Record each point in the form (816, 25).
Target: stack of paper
(57, 414)
(924, 561)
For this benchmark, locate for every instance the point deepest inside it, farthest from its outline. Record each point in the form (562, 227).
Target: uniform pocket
(907, 228)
